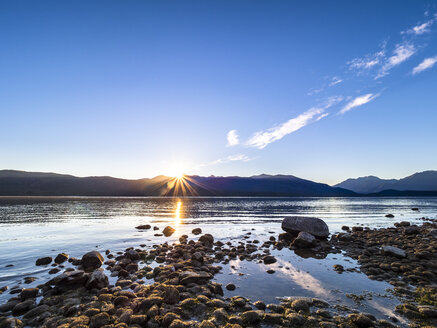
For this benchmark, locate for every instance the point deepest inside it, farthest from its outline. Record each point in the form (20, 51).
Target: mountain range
(421, 181)
(20, 183)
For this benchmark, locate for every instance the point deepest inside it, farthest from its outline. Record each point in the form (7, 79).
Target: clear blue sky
(323, 90)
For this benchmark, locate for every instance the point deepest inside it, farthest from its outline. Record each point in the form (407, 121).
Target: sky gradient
(324, 90)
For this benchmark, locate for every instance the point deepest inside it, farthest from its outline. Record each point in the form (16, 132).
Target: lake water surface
(32, 227)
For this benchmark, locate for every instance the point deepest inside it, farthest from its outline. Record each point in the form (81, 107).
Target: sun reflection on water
(178, 212)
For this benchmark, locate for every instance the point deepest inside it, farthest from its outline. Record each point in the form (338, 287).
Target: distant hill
(422, 181)
(19, 183)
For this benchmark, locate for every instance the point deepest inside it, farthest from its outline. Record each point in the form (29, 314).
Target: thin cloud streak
(335, 80)
(231, 158)
(427, 63)
(420, 29)
(232, 138)
(358, 101)
(367, 62)
(261, 139)
(400, 54)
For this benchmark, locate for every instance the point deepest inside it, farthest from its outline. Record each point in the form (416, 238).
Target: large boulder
(91, 261)
(314, 226)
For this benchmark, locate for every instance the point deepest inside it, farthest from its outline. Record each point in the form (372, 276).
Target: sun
(177, 172)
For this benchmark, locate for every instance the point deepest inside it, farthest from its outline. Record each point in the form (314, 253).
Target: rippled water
(32, 227)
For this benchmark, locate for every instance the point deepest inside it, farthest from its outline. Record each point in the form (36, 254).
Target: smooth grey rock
(188, 277)
(315, 226)
(393, 251)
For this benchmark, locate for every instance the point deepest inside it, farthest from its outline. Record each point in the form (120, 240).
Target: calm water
(32, 227)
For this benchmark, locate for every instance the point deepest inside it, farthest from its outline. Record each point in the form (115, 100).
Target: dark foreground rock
(43, 261)
(304, 240)
(91, 261)
(168, 231)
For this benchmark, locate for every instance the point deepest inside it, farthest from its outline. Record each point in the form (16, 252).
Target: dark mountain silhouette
(19, 183)
(422, 181)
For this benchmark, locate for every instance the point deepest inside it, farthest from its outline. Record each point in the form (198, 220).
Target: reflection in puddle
(302, 278)
(309, 277)
(387, 311)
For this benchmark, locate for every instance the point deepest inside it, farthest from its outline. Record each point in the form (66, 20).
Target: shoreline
(202, 299)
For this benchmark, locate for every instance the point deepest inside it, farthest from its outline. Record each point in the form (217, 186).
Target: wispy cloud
(420, 28)
(358, 101)
(400, 54)
(425, 64)
(335, 80)
(233, 139)
(231, 158)
(261, 139)
(367, 62)
(314, 91)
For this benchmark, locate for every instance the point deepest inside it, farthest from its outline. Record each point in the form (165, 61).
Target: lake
(33, 227)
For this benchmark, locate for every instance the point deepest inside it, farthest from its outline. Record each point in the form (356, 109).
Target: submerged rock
(143, 227)
(43, 260)
(314, 226)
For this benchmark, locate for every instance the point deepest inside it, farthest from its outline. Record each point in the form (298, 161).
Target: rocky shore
(171, 284)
